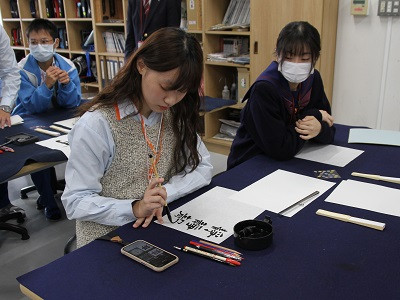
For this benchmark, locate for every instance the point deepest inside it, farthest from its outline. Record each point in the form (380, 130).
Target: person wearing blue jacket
(47, 80)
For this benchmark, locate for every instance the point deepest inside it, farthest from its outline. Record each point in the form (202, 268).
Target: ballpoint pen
(212, 256)
(216, 251)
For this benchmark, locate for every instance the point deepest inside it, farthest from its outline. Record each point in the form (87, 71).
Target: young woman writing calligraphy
(146, 118)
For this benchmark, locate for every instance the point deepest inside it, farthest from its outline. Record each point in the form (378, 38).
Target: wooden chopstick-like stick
(350, 219)
(377, 177)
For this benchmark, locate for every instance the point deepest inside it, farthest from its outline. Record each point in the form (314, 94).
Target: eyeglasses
(41, 42)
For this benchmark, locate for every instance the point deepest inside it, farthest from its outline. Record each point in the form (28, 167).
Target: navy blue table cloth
(312, 257)
(12, 163)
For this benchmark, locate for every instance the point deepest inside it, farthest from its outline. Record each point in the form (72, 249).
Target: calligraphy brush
(166, 204)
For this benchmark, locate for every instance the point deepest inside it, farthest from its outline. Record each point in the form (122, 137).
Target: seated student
(47, 80)
(151, 109)
(287, 104)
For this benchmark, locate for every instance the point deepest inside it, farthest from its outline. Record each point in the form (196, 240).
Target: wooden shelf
(90, 84)
(195, 31)
(79, 20)
(11, 20)
(225, 64)
(114, 24)
(111, 54)
(223, 32)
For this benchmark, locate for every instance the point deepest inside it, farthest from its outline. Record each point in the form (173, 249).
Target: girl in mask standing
(287, 104)
(47, 78)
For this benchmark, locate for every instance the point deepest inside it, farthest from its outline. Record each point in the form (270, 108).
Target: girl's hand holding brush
(151, 205)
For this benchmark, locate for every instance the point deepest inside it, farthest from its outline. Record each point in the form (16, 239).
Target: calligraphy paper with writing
(212, 215)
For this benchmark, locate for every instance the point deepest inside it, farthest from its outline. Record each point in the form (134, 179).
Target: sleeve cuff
(67, 87)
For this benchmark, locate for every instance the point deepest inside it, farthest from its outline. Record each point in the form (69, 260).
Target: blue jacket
(35, 97)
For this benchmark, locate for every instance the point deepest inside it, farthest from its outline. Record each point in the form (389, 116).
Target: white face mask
(295, 72)
(42, 53)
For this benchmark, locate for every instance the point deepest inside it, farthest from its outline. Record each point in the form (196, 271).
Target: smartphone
(149, 255)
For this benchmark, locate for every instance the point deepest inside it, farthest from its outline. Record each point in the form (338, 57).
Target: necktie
(146, 6)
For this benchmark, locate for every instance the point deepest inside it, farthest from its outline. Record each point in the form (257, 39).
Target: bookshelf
(75, 25)
(270, 17)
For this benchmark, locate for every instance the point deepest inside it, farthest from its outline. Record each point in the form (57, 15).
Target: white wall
(366, 88)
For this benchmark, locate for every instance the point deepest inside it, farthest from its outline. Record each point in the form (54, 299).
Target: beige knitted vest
(126, 179)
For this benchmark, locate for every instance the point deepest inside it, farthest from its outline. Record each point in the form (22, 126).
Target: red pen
(6, 149)
(215, 250)
(216, 257)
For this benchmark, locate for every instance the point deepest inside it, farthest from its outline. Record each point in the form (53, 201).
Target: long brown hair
(166, 49)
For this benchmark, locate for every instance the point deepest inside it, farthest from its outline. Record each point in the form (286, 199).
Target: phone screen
(149, 253)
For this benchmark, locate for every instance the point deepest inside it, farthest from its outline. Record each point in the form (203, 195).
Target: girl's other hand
(326, 117)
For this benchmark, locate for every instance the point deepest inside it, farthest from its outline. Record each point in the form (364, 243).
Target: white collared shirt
(85, 169)
(9, 71)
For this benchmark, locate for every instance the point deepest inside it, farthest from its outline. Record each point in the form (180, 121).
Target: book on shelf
(14, 9)
(16, 38)
(34, 8)
(60, 8)
(49, 8)
(109, 67)
(56, 9)
(114, 41)
(237, 16)
(83, 9)
(88, 42)
(62, 34)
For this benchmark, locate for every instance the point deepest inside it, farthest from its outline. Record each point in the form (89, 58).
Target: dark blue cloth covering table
(312, 257)
(12, 163)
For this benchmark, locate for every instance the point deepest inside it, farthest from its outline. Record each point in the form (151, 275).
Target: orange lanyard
(155, 150)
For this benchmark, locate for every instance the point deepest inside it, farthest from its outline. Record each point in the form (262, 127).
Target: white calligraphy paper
(281, 189)
(328, 154)
(57, 143)
(367, 196)
(69, 123)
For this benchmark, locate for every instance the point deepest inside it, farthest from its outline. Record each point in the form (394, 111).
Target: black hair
(42, 24)
(296, 38)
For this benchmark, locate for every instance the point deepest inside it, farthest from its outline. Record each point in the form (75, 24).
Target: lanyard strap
(155, 150)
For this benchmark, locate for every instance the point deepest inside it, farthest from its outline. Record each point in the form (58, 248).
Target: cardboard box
(194, 15)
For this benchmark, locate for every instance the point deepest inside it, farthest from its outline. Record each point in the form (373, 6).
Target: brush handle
(377, 177)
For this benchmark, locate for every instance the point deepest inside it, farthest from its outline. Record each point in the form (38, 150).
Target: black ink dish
(253, 234)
